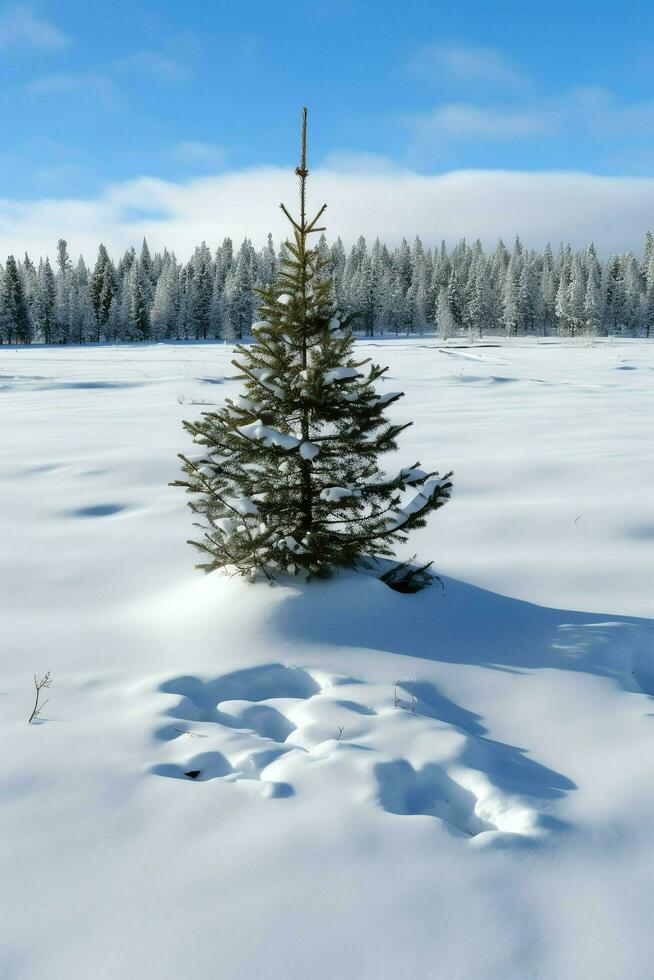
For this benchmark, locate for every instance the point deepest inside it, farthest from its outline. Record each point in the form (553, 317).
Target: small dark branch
(341, 729)
(40, 685)
(182, 731)
(312, 224)
(290, 218)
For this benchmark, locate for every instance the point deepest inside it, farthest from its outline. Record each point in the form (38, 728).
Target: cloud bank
(614, 212)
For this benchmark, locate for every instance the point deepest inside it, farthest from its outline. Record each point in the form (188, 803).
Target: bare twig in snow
(40, 685)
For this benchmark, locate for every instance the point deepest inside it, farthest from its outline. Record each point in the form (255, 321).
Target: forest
(402, 290)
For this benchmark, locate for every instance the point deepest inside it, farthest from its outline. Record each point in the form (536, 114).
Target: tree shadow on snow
(468, 625)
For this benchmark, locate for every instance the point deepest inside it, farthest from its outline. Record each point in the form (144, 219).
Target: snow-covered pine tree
(445, 322)
(287, 479)
(63, 281)
(15, 325)
(103, 287)
(44, 302)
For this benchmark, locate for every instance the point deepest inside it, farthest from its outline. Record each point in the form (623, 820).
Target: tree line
(408, 289)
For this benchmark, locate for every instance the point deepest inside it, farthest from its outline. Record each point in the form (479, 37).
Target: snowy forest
(409, 289)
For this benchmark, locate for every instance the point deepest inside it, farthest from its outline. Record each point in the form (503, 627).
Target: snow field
(455, 784)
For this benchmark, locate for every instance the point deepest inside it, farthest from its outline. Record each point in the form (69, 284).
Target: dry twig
(40, 685)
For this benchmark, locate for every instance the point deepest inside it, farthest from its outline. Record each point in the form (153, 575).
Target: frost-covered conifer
(593, 302)
(64, 282)
(15, 325)
(287, 477)
(43, 307)
(577, 296)
(445, 322)
(138, 309)
(103, 286)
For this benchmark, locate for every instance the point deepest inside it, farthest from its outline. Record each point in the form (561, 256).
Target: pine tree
(102, 286)
(648, 299)
(82, 315)
(202, 291)
(648, 254)
(44, 302)
(481, 303)
(239, 292)
(510, 305)
(288, 477)
(593, 303)
(445, 322)
(63, 280)
(165, 309)
(562, 302)
(15, 326)
(138, 313)
(577, 296)
(267, 263)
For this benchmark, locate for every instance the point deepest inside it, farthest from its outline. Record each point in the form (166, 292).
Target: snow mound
(276, 721)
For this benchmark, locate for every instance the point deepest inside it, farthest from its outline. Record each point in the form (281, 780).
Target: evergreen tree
(510, 306)
(648, 299)
(63, 283)
(82, 315)
(631, 284)
(15, 326)
(138, 314)
(648, 254)
(30, 280)
(288, 477)
(102, 286)
(445, 322)
(239, 292)
(115, 324)
(418, 292)
(148, 278)
(338, 262)
(593, 302)
(165, 309)
(362, 296)
(548, 294)
(562, 303)
(481, 318)
(267, 262)
(201, 292)
(576, 297)
(43, 307)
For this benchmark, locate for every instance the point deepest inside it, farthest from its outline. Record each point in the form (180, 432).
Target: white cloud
(591, 110)
(18, 25)
(153, 63)
(196, 153)
(92, 86)
(464, 121)
(345, 161)
(465, 64)
(614, 212)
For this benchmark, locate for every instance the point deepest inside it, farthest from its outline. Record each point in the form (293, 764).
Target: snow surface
(456, 784)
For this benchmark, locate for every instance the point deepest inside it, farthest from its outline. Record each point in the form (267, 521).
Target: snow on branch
(258, 432)
(389, 397)
(334, 495)
(420, 502)
(340, 374)
(309, 450)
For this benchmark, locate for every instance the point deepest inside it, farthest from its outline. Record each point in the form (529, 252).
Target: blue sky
(103, 92)
(97, 97)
